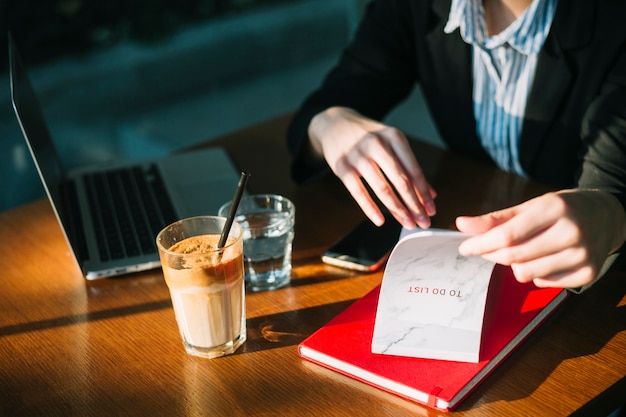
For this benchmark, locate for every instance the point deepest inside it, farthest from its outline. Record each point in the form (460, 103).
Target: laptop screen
(35, 130)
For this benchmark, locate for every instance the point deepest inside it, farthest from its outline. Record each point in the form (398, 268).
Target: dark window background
(49, 29)
(133, 79)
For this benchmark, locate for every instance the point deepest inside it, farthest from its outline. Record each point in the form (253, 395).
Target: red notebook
(512, 312)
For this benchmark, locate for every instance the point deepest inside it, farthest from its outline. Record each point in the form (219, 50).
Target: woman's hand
(359, 149)
(556, 240)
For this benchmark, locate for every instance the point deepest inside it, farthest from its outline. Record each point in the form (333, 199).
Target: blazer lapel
(451, 59)
(571, 29)
(451, 45)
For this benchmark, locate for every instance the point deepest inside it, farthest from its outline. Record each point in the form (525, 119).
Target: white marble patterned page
(432, 300)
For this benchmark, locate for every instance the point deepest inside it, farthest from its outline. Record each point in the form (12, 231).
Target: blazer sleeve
(604, 136)
(374, 73)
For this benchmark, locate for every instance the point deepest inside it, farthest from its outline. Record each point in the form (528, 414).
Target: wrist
(621, 222)
(616, 218)
(322, 124)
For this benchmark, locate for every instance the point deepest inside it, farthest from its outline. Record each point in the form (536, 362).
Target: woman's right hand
(360, 149)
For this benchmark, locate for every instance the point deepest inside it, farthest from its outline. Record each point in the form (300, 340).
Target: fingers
(407, 195)
(360, 150)
(568, 268)
(416, 186)
(486, 222)
(567, 279)
(352, 181)
(500, 231)
(395, 177)
(558, 239)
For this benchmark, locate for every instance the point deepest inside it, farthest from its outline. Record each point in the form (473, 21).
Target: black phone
(366, 247)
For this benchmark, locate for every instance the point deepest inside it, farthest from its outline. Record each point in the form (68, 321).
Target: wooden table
(111, 347)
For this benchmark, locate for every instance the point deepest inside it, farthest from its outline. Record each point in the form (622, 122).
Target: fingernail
(431, 209)
(465, 250)
(423, 221)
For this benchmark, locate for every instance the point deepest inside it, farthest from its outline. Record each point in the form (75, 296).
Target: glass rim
(251, 197)
(228, 245)
(290, 210)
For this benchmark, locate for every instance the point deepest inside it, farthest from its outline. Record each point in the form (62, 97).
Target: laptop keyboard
(129, 208)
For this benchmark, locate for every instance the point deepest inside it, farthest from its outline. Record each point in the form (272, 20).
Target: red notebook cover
(513, 311)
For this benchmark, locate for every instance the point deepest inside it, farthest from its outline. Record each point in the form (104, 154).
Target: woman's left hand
(559, 239)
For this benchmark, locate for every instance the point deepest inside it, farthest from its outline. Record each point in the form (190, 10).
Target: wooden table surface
(111, 347)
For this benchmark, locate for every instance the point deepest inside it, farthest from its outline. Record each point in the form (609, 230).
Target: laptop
(111, 214)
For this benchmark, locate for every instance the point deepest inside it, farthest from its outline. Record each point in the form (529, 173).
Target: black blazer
(574, 130)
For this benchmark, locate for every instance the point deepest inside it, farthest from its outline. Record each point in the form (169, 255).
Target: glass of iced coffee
(206, 284)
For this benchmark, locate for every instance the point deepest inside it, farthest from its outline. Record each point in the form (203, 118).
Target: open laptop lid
(33, 125)
(197, 183)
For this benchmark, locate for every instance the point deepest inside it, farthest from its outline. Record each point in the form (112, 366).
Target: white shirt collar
(526, 34)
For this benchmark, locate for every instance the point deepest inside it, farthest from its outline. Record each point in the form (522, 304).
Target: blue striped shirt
(503, 70)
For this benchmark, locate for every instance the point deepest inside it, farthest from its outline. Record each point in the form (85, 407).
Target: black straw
(243, 179)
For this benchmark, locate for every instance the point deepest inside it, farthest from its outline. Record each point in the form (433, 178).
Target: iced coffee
(206, 284)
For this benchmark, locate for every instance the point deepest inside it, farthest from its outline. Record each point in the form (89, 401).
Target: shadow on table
(74, 319)
(288, 328)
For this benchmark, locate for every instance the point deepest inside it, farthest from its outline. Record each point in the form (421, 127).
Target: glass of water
(268, 229)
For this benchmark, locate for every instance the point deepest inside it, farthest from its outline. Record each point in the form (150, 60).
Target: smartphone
(366, 247)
